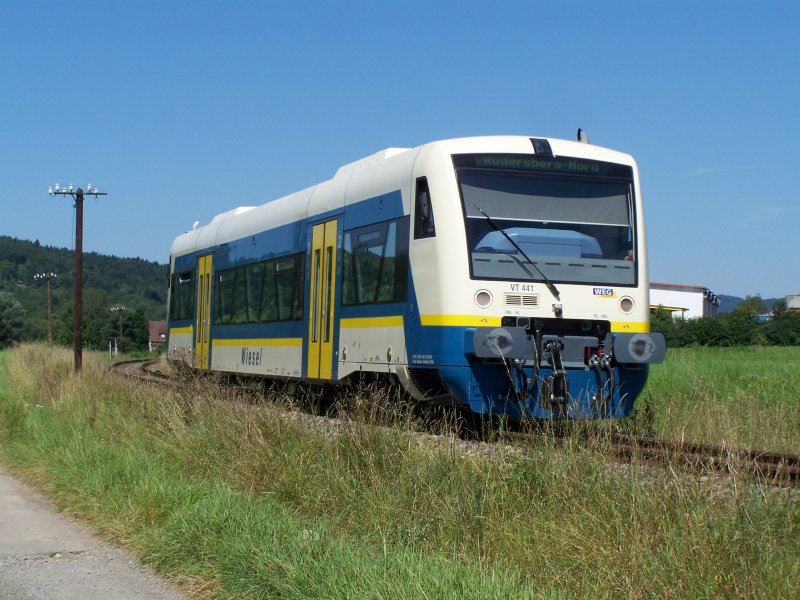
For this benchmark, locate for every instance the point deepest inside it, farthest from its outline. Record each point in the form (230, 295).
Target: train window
(226, 287)
(256, 284)
(375, 263)
(288, 288)
(182, 296)
(423, 211)
(262, 292)
(268, 309)
(371, 238)
(315, 285)
(576, 223)
(328, 291)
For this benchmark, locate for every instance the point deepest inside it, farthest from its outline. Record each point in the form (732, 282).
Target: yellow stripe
(178, 330)
(396, 321)
(260, 342)
(630, 327)
(460, 320)
(477, 321)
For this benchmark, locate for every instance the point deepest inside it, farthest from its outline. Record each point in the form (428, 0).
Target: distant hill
(728, 303)
(137, 284)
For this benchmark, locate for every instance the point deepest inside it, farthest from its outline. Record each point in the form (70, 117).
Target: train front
(543, 298)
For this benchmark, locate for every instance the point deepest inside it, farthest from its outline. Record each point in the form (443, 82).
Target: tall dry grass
(244, 499)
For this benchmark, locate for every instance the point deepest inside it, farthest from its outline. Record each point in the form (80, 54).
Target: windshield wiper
(550, 285)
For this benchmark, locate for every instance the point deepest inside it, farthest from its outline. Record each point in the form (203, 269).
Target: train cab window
(182, 296)
(423, 211)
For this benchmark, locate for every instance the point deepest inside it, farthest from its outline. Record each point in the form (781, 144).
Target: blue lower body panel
(492, 389)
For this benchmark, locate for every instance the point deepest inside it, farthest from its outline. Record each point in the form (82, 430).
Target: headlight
(626, 304)
(483, 298)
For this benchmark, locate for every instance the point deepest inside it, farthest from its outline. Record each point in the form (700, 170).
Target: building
(793, 303)
(684, 301)
(158, 335)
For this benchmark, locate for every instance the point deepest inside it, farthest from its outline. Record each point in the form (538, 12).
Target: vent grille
(524, 300)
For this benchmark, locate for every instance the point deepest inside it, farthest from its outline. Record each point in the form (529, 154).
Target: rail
(775, 468)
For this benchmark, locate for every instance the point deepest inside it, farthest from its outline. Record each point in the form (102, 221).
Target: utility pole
(47, 277)
(77, 309)
(119, 310)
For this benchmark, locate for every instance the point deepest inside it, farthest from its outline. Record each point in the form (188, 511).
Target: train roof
(390, 166)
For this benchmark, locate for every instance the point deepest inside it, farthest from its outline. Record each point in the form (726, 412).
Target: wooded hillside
(109, 281)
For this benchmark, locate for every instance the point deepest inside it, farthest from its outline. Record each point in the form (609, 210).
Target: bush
(11, 314)
(738, 328)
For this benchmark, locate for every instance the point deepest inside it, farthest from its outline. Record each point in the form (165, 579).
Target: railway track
(141, 370)
(773, 468)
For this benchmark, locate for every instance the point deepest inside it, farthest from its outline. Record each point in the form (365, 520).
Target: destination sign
(533, 162)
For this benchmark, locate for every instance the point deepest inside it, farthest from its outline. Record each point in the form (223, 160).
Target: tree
(661, 321)
(98, 321)
(783, 329)
(779, 309)
(707, 332)
(11, 319)
(751, 305)
(98, 324)
(137, 330)
(740, 327)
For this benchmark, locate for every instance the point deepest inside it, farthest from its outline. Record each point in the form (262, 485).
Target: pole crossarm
(57, 190)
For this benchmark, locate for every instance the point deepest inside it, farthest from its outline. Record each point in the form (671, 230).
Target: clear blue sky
(181, 110)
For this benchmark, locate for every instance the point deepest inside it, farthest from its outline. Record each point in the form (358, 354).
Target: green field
(235, 500)
(741, 397)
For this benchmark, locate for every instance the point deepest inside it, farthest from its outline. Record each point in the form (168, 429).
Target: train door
(321, 300)
(203, 313)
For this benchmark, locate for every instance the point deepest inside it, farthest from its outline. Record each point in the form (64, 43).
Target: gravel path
(44, 555)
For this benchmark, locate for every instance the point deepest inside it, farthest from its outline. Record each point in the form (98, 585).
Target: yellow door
(321, 295)
(203, 313)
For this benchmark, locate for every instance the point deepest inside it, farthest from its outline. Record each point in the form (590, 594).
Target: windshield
(572, 217)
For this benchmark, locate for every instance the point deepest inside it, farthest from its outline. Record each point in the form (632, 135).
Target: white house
(684, 301)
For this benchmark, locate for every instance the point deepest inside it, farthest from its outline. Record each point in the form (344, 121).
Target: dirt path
(44, 555)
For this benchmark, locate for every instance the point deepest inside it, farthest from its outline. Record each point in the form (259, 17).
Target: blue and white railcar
(507, 274)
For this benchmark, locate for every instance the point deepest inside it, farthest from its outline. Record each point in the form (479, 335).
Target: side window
(268, 307)
(182, 298)
(375, 264)
(423, 211)
(226, 284)
(262, 292)
(289, 288)
(256, 286)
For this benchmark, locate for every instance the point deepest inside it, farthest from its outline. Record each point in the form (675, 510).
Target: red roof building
(158, 335)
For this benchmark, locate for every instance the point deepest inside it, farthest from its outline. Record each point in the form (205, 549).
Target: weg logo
(605, 292)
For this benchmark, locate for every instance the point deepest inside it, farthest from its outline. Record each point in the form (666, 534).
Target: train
(506, 275)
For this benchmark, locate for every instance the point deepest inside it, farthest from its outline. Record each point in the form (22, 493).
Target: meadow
(739, 397)
(233, 499)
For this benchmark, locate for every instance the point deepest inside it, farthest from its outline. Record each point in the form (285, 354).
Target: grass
(240, 501)
(741, 397)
